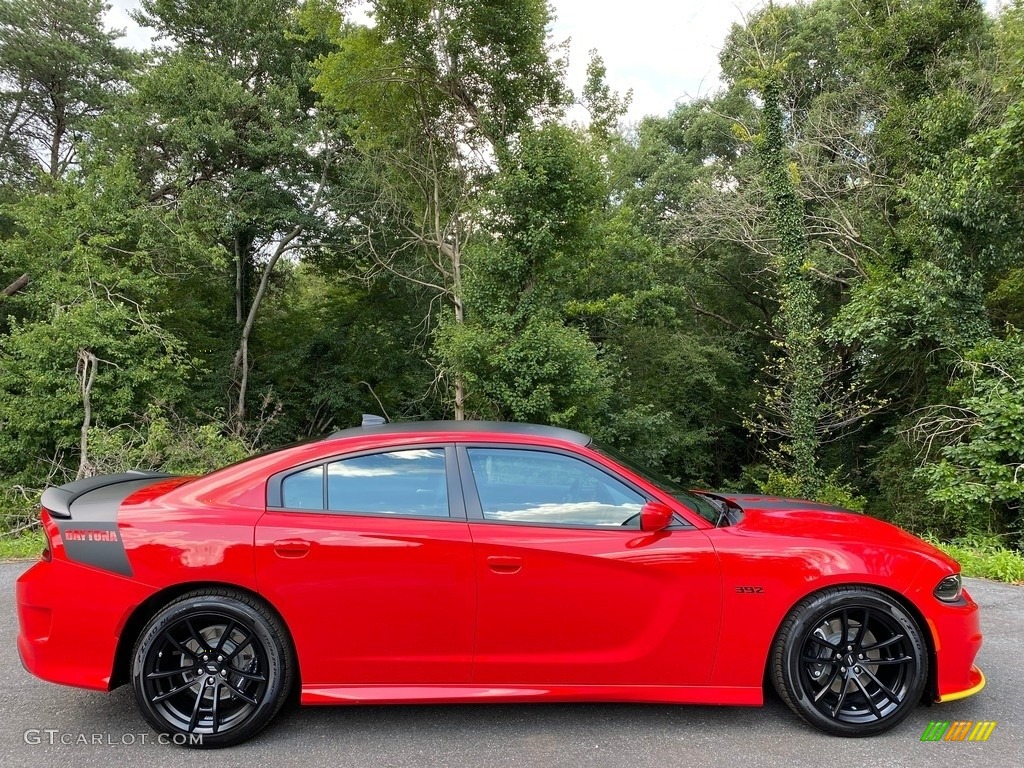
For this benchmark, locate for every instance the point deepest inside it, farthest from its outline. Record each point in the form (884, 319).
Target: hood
(808, 519)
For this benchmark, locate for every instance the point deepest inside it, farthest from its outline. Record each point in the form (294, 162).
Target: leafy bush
(831, 490)
(162, 443)
(974, 444)
(902, 496)
(165, 444)
(985, 557)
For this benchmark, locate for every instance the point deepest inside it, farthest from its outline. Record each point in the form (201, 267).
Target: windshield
(702, 506)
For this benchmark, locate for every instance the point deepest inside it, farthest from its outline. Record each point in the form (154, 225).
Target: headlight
(949, 589)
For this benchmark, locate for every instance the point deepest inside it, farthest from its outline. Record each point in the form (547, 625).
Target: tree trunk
(460, 317)
(59, 128)
(85, 372)
(17, 285)
(238, 282)
(242, 355)
(460, 385)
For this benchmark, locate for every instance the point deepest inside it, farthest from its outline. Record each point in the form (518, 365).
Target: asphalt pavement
(45, 724)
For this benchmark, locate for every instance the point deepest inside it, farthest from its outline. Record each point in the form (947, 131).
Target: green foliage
(606, 107)
(914, 321)
(59, 69)
(830, 490)
(792, 407)
(333, 350)
(517, 356)
(975, 443)
(537, 371)
(164, 443)
(899, 494)
(95, 256)
(912, 46)
(985, 557)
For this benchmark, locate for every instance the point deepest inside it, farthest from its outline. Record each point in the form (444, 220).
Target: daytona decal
(98, 545)
(89, 535)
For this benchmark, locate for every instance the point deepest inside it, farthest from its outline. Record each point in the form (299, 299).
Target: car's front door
(572, 592)
(370, 561)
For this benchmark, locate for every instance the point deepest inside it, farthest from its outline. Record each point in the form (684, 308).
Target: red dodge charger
(472, 562)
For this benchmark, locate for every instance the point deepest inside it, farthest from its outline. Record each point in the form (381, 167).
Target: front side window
(541, 487)
(407, 482)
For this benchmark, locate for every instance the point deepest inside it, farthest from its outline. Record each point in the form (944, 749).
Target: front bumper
(976, 674)
(956, 638)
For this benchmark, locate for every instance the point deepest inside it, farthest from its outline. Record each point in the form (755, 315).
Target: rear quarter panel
(184, 535)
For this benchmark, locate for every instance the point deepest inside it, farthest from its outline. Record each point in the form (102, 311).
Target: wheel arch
(148, 608)
(931, 686)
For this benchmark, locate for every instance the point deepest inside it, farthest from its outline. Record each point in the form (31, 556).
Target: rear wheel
(212, 668)
(851, 661)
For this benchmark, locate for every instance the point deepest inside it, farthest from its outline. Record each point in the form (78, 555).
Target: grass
(23, 546)
(986, 559)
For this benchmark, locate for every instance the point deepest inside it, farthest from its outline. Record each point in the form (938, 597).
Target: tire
(861, 686)
(212, 668)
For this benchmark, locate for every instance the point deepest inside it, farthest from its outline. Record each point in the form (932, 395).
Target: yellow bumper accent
(964, 694)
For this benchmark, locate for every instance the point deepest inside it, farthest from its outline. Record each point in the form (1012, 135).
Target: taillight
(49, 529)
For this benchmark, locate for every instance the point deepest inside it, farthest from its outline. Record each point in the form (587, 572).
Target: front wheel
(851, 661)
(212, 668)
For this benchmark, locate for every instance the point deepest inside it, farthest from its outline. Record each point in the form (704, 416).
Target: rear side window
(304, 490)
(407, 482)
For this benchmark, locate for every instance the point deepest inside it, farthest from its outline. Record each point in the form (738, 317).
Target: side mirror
(655, 516)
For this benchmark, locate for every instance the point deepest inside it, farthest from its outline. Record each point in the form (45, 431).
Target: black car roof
(502, 427)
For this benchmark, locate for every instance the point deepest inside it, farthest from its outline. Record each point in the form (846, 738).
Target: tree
(605, 107)
(436, 90)
(518, 356)
(225, 128)
(84, 344)
(796, 399)
(59, 69)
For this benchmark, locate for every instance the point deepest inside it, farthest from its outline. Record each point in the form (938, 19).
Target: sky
(666, 51)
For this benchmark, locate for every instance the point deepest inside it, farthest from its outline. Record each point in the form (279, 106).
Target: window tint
(304, 490)
(411, 482)
(542, 487)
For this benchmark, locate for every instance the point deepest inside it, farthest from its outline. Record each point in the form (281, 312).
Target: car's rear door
(571, 591)
(369, 559)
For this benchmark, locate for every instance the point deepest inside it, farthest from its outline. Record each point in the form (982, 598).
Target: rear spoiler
(58, 499)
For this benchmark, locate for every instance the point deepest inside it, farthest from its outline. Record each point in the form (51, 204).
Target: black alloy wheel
(212, 668)
(851, 661)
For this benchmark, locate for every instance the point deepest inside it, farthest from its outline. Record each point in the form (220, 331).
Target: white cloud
(667, 52)
(117, 18)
